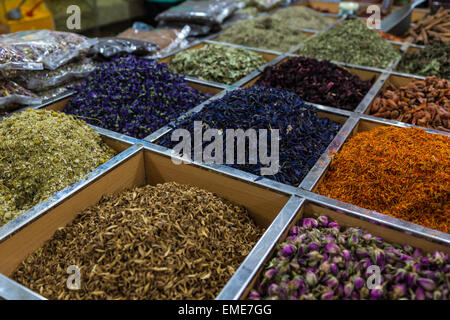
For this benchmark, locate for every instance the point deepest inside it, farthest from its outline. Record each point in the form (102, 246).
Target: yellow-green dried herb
(42, 152)
(218, 63)
(168, 241)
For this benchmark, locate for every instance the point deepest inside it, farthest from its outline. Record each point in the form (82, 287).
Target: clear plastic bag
(50, 48)
(54, 93)
(267, 5)
(110, 47)
(39, 80)
(11, 59)
(210, 12)
(12, 93)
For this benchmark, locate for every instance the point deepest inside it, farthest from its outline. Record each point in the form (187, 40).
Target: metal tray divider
(240, 280)
(42, 207)
(373, 92)
(378, 218)
(321, 165)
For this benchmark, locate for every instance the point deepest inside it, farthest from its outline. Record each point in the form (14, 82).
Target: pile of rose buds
(320, 260)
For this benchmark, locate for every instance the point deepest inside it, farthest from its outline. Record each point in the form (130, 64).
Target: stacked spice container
(273, 205)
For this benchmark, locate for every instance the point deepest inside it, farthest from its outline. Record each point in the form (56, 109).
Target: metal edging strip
(241, 279)
(11, 290)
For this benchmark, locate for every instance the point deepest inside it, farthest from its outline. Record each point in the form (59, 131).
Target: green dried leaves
(279, 31)
(216, 63)
(433, 60)
(42, 152)
(351, 42)
(168, 241)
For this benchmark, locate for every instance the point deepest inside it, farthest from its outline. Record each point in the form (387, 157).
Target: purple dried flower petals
(358, 283)
(426, 284)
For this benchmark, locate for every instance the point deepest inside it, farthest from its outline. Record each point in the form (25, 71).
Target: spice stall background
(273, 205)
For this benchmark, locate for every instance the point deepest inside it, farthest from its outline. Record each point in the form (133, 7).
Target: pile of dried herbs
(279, 31)
(401, 172)
(303, 135)
(317, 81)
(43, 152)
(351, 42)
(265, 32)
(216, 63)
(433, 60)
(168, 241)
(133, 96)
(321, 260)
(303, 17)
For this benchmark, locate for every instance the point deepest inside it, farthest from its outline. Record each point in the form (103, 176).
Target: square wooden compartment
(143, 167)
(311, 209)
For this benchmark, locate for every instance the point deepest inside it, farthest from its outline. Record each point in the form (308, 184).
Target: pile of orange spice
(401, 172)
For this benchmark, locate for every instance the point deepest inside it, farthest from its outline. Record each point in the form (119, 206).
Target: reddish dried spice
(320, 82)
(401, 172)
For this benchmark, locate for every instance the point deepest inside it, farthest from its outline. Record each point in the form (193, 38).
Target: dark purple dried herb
(132, 96)
(304, 136)
(315, 81)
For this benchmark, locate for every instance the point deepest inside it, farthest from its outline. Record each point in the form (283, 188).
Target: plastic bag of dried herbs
(12, 93)
(212, 12)
(50, 48)
(43, 79)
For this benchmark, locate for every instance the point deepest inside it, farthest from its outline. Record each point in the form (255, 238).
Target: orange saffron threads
(401, 172)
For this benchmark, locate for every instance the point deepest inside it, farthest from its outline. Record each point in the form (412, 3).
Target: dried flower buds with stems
(168, 241)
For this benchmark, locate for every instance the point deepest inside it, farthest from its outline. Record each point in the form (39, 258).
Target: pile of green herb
(42, 152)
(279, 31)
(216, 63)
(264, 32)
(433, 60)
(351, 42)
(303, 17)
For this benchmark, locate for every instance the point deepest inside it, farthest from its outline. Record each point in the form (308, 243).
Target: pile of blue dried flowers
(132, 96)
(303, 135)
(321, 260)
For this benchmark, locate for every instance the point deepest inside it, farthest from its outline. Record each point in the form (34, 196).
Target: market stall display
(259, 166)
